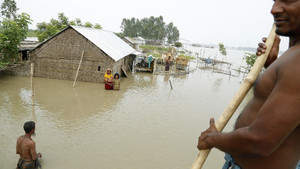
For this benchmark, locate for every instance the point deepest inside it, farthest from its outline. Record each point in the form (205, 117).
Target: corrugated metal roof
(32, 39)
(130, 40)
(107, 41)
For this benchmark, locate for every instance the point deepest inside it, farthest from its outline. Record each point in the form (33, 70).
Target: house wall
(122, 63)
(59, 58)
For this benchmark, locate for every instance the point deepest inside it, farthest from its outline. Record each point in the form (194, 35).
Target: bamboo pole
(239, 96)
(78, 68)
(154, 66)
(32, 89)
(171, 84)
(31, 81)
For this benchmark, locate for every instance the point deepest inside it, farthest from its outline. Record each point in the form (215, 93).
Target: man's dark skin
(267, 132)
(26, 147)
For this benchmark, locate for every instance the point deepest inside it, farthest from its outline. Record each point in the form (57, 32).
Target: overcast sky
(231, 22)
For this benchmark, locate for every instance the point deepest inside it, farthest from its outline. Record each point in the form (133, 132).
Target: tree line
(14, 27)
(153, 28)
(46, 30)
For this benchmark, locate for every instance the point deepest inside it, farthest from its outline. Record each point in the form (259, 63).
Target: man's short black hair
(29, 126)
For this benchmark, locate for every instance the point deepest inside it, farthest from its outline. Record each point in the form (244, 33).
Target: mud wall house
(59, 56)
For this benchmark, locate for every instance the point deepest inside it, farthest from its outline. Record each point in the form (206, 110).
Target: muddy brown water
(145, 125)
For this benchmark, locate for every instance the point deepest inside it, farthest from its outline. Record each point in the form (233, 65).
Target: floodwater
(145, 125)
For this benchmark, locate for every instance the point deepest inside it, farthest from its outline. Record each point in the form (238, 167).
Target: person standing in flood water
(267, 132)
(108, 78)
(116, 81)
(26, 148)
(168, 63)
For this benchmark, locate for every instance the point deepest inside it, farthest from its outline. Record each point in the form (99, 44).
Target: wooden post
(78, 68)
(197, 55)
(133, 68)
(171, 84)
(31, 81)
(31, 77)
(239, 96)
(154, 66)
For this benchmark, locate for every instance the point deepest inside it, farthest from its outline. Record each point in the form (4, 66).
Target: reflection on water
(145, 125)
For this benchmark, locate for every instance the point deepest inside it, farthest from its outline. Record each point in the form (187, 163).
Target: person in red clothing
(108, 80)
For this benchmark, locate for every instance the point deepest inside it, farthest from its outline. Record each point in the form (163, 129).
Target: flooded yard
(145, 125)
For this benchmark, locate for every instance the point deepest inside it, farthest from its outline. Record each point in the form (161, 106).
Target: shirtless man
(26, 148)
(267, 132)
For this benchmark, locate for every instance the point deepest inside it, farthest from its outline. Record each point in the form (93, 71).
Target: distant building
(59, 56)
(130, 41)
(26, 46)
(135, 42)
(140, 40)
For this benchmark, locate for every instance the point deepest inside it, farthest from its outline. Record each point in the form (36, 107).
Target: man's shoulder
(20, 138)
(28, 142)
(292, 51)
(287, 68)
(290, 59)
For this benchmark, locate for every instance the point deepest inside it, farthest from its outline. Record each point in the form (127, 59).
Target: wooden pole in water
(154, 66)
(133, 68)
(31, 77)
(31, 81)
(171, 84)
(32, 89)
(239, 96)
(78, 68)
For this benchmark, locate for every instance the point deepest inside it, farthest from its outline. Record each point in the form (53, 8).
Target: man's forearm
(237, 143)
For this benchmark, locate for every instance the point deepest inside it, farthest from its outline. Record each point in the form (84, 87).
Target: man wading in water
(26, 148)
(267, 132)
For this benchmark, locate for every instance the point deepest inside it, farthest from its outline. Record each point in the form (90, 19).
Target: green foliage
(156, 55)
(9, 9)
(12, 32)
(46, 30)
(120, 34)
(31, 33)
(222, 49)
(172, 33)
(154, 48)
(181, 52)
(13, 29)
(97, 26)
(155, 51)
(250, 60)
(178, 44)
(153, 28)
(131, 27)
(4, 65)
(78, 22)
(88, 24)
(185, 56)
